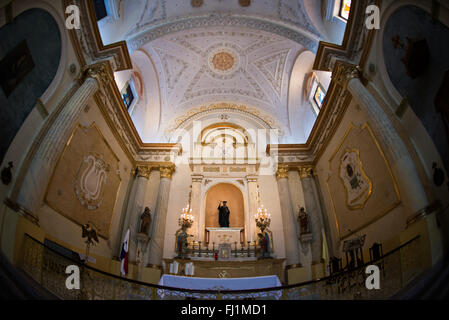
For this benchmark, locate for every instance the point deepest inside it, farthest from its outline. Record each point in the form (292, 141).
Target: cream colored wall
(54, 225)
(382, 230)
(269, 197)
(179, 195)
(179, 198)
(51, 98)
(59, 227)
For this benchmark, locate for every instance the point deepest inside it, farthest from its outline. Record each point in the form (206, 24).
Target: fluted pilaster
(136, 207)
(195, 203)
(50, 147)
(253, 193)
(349, 77)
(313, 209)
(160, 217)
(288, 218)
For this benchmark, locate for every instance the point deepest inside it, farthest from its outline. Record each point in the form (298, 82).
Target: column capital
(282, 172)
(143, 171)
(167, 171)
(345, 72)
(197, 178)
(306, 171)
(99, 71)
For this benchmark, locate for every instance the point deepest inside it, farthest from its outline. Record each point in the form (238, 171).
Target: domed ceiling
(213, 51)
(223, 64)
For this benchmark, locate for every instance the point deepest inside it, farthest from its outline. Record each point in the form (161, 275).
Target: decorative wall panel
(86, 180)
(361, 185)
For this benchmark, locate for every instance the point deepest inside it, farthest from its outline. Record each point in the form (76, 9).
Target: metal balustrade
(47, 267)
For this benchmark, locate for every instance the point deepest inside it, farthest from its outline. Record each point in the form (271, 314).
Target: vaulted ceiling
(219, 51)
(223, 64)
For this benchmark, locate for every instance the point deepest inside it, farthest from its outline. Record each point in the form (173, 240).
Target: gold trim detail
(79, 126)
(282, 172)
(306, 171)
(345, 73)
(167, 171)
(364, 194)
(144, 171)
(387, 164)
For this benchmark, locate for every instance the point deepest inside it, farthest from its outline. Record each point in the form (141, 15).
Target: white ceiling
(259, 76)
(264, 39)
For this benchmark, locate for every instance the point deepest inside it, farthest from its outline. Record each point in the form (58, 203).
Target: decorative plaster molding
(152, 32)
(282, 172)
(268, 122)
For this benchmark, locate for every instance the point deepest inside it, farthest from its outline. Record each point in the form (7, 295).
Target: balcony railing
(47, 267)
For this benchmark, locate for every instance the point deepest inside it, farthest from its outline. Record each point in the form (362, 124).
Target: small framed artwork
(15, 66)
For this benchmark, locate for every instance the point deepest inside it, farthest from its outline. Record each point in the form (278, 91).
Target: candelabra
(186, 218)
(263, 219)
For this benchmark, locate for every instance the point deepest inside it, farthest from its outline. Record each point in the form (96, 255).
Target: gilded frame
(365, 126)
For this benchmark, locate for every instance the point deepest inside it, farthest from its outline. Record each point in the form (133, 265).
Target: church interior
(211, 149)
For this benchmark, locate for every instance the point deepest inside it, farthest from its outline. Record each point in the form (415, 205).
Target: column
(253, 195)
(313, 209)
(195, 205)
(135, 209)
(39, 172)
(160, 217)
(402, 163)
(288, 219)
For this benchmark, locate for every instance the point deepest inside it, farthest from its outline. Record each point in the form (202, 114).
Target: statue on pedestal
(181, 243)
(264, 243)
(145, 221)
(223, 214)
(303, 221)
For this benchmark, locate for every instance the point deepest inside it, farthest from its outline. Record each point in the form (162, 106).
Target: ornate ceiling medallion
(223, 61)
(197, 3)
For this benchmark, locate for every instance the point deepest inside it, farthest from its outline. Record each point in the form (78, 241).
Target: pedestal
(142, 241)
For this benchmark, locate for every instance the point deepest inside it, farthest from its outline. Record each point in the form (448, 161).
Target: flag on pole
(325, 250)
(124, 255)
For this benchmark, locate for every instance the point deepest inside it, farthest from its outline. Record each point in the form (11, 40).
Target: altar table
(222, 284)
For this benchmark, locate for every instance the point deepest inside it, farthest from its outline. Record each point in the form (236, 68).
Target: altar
(224, 235)
(219, 283)
(231, 268)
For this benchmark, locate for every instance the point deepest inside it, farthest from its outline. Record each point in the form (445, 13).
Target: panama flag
(124, 255)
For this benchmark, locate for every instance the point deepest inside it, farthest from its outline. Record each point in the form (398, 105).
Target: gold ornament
(223, 61)
(305, 171)
(167, 171)
(282, 172)
(144, 171)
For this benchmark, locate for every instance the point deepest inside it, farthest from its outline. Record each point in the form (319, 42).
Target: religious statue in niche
(357, 185)
(145, 221)
(303, 221)
(223, 214)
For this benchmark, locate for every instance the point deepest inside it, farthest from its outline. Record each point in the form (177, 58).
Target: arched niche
(403, 24)
(225, 192)
(40, 32)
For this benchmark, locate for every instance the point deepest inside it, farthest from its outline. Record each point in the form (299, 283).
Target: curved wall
(41, 33)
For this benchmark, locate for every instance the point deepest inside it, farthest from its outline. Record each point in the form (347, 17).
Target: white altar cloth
(223, 284)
